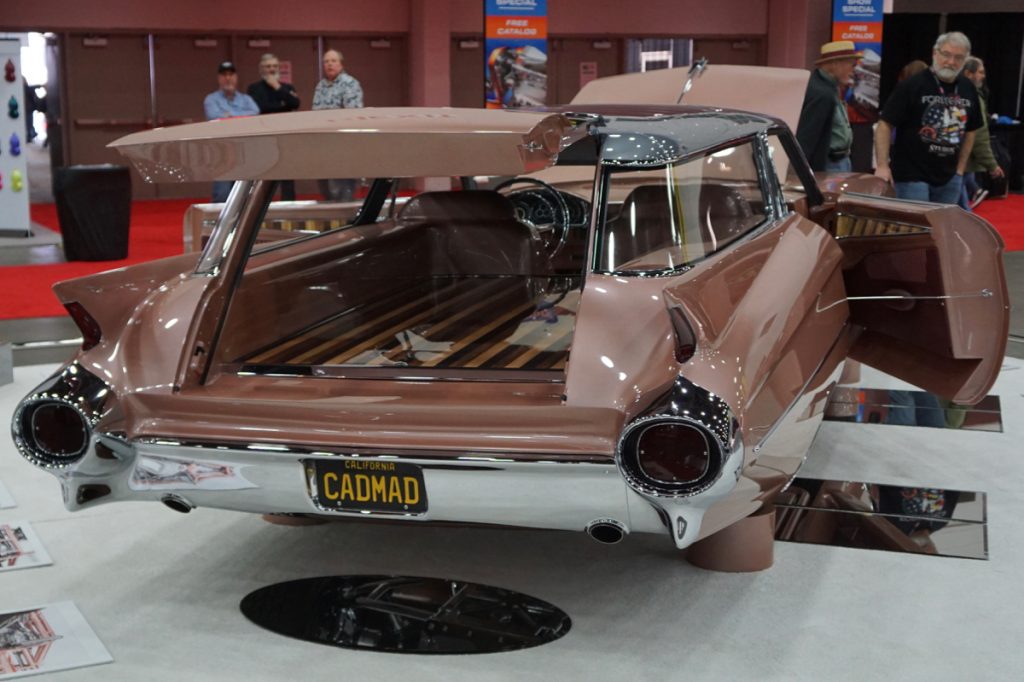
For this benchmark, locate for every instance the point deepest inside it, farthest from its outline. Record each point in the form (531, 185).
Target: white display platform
(162, 589)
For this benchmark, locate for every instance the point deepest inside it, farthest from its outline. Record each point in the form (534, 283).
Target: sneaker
(979, 197)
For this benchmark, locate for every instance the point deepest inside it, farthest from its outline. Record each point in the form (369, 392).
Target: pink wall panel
(635, 19)
(317, 16)
(429, 43)
(566, 17)
(797, 29)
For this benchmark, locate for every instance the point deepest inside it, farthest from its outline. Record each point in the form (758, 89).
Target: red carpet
(156, 232)
(1007, 216)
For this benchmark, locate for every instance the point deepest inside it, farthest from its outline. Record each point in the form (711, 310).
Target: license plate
(364, 485)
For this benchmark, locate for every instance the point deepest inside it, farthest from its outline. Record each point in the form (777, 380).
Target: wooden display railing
(282, 218)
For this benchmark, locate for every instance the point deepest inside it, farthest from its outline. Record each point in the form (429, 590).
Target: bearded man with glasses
(274, 96)
(934, 115)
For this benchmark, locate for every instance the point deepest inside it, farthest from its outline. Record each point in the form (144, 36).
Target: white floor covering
(162, 589)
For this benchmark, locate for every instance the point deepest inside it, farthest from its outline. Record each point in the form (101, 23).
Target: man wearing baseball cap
(935, 115)
(226, 102)
(824, 131)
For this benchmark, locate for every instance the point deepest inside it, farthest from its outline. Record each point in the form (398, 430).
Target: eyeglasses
(949, 56)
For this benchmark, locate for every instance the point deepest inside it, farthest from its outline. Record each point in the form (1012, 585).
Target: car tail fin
(87, 324)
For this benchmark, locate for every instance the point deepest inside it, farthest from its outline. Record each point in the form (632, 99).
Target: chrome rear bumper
(523, 490)
(265, 478)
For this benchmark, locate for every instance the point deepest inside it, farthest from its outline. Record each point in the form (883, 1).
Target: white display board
(14, 219)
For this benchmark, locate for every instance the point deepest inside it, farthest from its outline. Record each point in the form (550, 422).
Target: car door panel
(927, 291)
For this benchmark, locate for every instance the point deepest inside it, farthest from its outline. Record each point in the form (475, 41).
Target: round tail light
(668, 455)
(673, 453)
(52, 432)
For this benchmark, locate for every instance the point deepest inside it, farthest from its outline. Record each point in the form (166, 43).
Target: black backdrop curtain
(996, 37)
(905, 37)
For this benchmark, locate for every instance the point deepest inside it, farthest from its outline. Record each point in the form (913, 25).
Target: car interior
(472, 278)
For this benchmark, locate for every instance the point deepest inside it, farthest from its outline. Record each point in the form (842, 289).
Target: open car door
(927, 293)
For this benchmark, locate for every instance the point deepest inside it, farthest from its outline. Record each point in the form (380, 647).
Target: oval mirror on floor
(401, 614)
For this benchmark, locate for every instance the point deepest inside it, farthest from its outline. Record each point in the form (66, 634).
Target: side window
(785, 168)
(662, 219)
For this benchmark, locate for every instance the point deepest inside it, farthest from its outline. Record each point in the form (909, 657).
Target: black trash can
(94, 208)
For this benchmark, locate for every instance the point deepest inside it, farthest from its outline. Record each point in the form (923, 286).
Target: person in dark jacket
(824, 131)
(274, 96)
(982, 159)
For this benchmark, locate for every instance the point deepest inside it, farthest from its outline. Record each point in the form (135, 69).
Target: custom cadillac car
(601, 317)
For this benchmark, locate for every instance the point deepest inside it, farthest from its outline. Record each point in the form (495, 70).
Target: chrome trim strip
(875, 197)
(984, 293)
(844, 214)
(482, 460)
(771, 191)
(399, 373)
(228, 225)
(916, 229)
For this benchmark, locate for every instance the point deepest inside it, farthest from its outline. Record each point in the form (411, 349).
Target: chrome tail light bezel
(692, 407)
(71, 388)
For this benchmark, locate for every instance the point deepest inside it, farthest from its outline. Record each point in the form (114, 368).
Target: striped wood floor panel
(478, 323)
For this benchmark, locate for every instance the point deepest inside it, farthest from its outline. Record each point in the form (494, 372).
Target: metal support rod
(1020, 83)
(984, 293)
(151, 42)
(319, 58)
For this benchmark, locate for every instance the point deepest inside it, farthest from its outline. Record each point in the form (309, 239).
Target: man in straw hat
(935, 115)
(824, 129)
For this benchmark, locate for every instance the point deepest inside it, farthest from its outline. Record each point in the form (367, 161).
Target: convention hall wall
(98, 108)
(394, 47)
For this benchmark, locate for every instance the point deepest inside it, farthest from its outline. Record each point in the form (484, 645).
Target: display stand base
(744, 547)
(16, 232)
(6, 363)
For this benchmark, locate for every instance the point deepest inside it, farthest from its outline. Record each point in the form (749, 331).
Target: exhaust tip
(607, 531)
(178, 504)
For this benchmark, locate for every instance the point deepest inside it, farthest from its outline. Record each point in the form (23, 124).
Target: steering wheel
(562, 226)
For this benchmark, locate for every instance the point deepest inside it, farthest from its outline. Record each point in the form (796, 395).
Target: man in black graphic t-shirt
(934, 114)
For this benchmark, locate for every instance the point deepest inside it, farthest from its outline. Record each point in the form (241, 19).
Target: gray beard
(947, 75)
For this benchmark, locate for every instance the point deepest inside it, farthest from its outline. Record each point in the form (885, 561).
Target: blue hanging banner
(516, 49)
(861, 22)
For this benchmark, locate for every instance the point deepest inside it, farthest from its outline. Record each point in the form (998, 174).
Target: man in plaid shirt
(337, 90)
